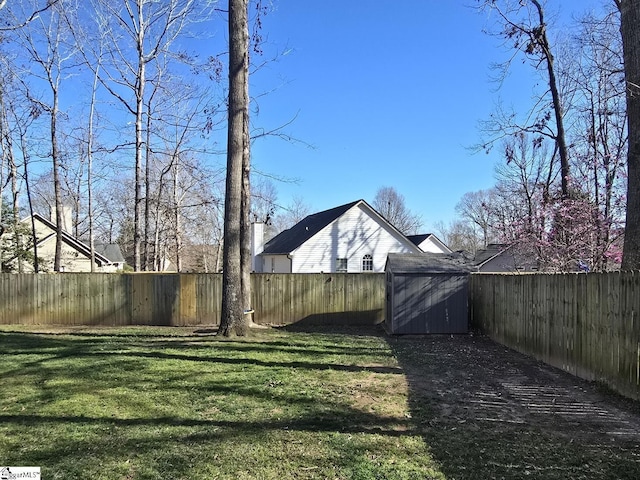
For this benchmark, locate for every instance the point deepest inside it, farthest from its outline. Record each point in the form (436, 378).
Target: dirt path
(489, 412)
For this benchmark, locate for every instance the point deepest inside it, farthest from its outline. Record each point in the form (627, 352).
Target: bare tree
(476, 208)
(599, 136)
(523, 23)
(140, 32)
(90, 142)
(46, 43)
(21, 120)
(11, 211)
(290, 214)
(27, 18)
(459, 236)
(391, 205)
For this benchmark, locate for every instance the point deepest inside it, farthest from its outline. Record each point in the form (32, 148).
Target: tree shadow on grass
(130, 436)
(182, 442)
(58, 348)
(482, 410)
(82, 342)
(488, 412)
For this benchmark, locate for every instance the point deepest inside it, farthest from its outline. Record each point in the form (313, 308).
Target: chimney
(257, 245)
(67, 217)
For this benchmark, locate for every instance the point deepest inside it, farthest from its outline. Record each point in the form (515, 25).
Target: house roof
(288, 240)
(418, 239)
(489, 253)
(72, 241)
(428, 263)
(111, 251)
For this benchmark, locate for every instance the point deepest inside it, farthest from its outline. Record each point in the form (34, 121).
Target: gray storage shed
(427, 293)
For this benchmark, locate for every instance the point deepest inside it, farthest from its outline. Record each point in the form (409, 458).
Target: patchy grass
(151, 403)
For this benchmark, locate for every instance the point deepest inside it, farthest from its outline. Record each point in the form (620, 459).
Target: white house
(351, 238)
(429, 243)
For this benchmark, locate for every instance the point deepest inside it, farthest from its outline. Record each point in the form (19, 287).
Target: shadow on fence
(186, 299)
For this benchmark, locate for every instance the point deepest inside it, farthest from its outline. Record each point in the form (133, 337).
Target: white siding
(355, 234)
(257, 245)
(431, 246)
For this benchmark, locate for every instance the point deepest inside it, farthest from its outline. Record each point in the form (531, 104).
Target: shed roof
(428, 263)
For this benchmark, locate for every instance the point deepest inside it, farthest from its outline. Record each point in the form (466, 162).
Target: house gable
(429, 243)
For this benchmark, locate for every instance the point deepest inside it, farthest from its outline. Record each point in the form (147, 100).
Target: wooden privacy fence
(186, 299)
(586, 324)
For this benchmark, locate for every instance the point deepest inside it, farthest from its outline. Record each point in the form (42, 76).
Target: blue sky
(388, 93)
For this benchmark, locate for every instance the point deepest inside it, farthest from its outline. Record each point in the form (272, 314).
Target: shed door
(433, 303)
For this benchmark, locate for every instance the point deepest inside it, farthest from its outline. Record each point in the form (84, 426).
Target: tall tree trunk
(94, 89)
(25, 161)
(630, 19)
(16, 214)
(140, 85)
(56, 183)
(232, 307)
(158, 263)
(5, 149)
(218, 257)
(147, 197)
(246, 320)
(176, 215)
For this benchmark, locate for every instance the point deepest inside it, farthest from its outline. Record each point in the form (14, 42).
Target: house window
(367, 263)
(341, 265)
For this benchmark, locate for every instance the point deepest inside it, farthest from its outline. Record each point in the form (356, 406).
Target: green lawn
(159, 403)
(176, 403)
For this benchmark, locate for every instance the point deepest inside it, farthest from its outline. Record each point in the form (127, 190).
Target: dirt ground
(489, 412)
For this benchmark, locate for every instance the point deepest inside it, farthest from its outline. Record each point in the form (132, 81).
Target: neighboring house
(429, 243)
(112, 252)
(350, 238)
(76, 255)
(499, 258)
